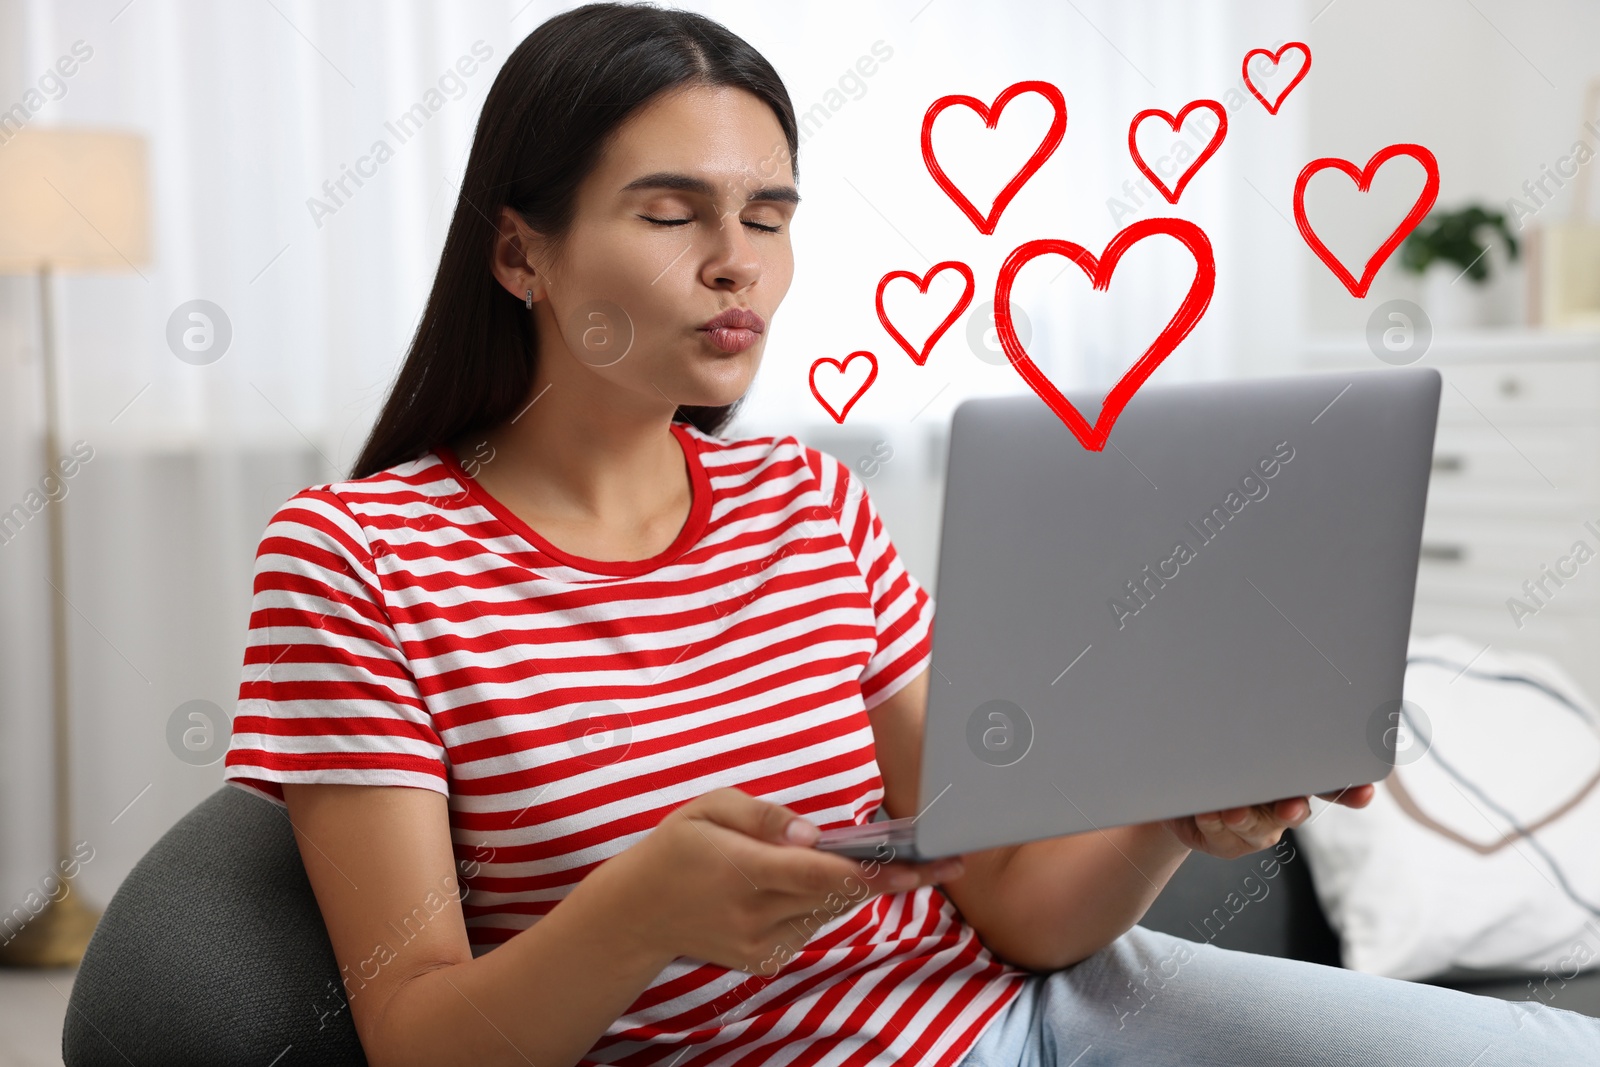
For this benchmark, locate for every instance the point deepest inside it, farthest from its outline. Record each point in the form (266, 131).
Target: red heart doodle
(990, 116)
(1176, 123)
(1099, 271)
(1273, 105)
(838, 416)
(920, 358)
(1363, 178)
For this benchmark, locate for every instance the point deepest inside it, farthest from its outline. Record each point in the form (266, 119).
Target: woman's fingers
(1236, 831)
(1352, 796)
(1292, 811)
(801, 870)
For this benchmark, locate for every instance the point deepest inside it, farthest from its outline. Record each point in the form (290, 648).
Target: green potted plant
(1453, 253)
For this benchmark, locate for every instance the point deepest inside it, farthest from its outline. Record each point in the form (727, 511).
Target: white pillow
(1431, 876)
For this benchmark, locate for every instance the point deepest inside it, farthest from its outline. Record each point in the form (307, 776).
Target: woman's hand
(1239, 831)
(732, 879)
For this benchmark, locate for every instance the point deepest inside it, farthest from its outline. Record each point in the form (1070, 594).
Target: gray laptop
(1211, 612)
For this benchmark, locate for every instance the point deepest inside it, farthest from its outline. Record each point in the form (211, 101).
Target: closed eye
(683, 222)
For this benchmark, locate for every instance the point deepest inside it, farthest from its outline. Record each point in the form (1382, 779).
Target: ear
(516, 255)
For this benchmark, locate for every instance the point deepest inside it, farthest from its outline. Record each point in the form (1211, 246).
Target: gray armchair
(213, 950)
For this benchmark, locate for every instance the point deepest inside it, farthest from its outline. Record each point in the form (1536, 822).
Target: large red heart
(1409, 805)
(990, 116)
(1363, 178)
(1099, 271)
(1525, 824)
(1273, 105)
(1176, 123)
(920, 357)
(872, 374)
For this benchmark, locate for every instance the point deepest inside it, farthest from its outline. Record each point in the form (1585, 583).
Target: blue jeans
(1151, 1000)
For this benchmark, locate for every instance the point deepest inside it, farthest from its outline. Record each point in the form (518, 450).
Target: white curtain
(251, 108)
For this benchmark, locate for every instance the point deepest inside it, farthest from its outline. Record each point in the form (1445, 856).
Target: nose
(733, 263)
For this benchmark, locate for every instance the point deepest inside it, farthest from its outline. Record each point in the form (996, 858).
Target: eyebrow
(688, 183)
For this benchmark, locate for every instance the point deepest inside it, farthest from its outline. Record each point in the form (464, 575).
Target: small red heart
(1430, 193)
(1176, 123)
(990, 116)
(1273, 105)
(920, 357)
(838, 416)
(1099, 271)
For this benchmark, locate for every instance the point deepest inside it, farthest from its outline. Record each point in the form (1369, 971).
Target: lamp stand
(59, 933)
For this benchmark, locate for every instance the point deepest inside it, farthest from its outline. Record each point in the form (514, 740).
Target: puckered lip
(736, 318)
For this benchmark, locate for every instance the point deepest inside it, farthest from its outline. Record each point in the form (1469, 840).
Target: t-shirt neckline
(693, 527)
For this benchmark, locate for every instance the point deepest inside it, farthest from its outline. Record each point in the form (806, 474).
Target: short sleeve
(326, 694)
(901, 606)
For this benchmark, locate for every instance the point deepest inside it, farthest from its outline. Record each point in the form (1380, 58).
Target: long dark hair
(561, 93)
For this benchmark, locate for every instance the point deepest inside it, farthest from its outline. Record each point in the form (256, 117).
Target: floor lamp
(70, 200)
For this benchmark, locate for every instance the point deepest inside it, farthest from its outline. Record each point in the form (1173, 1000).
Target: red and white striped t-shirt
(408, 629)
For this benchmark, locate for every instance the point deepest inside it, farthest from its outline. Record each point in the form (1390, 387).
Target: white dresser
(1516, 478)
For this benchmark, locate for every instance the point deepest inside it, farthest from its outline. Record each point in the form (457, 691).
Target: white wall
(1492, 87)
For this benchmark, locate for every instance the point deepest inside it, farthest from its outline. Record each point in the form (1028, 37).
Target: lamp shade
(73, 199)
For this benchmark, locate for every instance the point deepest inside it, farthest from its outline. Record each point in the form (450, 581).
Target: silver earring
(528, 300)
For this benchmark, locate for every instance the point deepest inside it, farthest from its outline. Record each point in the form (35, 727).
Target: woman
(557, 642)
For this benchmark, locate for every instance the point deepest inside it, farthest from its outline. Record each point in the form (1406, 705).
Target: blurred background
(243, 352)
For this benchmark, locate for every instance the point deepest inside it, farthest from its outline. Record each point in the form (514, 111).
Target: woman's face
(686, 215)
